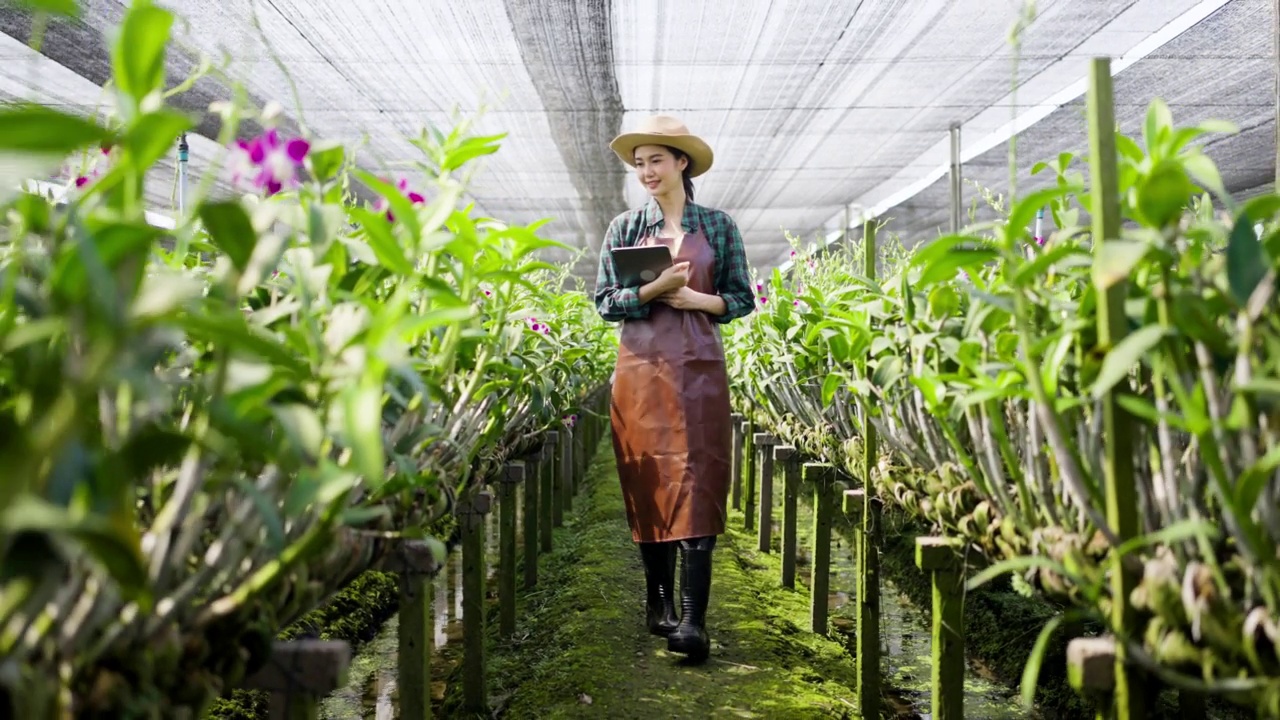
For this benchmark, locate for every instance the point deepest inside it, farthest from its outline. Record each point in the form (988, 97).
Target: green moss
(582, 649)
(353, 615)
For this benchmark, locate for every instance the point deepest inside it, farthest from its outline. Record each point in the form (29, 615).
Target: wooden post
(1117, 424)
(512, 476)
(546, 503)
(942, 557)
(471, 514)
(957, 186)
(867, 537)
(298, 675)
(790, 490)
(822, 476)
(532, 465)
(749, 452)
(565, 469)
(736, 471)
(1091, 667)
(764, 443)
(553, 478)
(415, 563)
(853, 506)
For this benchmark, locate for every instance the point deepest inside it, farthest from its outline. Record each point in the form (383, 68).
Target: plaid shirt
(732, 276)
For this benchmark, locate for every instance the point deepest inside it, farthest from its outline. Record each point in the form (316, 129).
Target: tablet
(641, 264)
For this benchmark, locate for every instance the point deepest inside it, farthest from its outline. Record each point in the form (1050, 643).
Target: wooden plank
(475, 686)
(822, 477)
(765, 443)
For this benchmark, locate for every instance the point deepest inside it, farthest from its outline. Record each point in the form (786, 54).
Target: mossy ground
(582, 649)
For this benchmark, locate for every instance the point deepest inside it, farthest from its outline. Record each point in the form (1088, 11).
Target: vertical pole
(1121, 493)
(790, 490)
(513, 475)
(868, 537)
(565, 468)
(545, 501)
(1275, 38)
(553, 477)
(1091, 664)
(184, 154)
(848, 226)
(941, 557)
(957, 191)
(749, 452)
(736, 472)
(532, 467)
(414, 671)
(821, 476)
(764, 443)
(474, 680)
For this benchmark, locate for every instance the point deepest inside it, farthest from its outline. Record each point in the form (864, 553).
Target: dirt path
(582, 650)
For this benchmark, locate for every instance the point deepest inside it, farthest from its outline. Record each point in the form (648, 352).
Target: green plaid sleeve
(733, 275)
(614, 302)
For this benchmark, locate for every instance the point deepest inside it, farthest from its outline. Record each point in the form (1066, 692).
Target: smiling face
(658, 169)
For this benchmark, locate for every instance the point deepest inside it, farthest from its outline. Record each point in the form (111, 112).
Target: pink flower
(414, 197)
(539, 327)
(268, 163)
(763, 300)
(793, 254)
(569, 420)
(97, 166)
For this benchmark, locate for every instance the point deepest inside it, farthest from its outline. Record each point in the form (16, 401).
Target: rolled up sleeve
(733, 275)
(614, 302)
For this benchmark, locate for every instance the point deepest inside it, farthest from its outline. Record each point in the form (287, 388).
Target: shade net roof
(813, 107)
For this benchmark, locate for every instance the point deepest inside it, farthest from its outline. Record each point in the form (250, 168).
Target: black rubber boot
(690, 636)
(660, 581)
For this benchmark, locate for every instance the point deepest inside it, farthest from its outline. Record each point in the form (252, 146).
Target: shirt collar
(653, 215)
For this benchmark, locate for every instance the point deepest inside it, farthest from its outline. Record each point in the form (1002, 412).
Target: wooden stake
(790, 490)
(822, 476)
(764, 443)
(942, 558)
(474, 678)
(512, 476)
(1117, 425)
(736, 469)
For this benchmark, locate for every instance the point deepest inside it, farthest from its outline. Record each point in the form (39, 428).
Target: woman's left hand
(683, 298)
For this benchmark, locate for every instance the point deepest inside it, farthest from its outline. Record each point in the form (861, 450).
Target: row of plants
(978, 359)
(207, 431)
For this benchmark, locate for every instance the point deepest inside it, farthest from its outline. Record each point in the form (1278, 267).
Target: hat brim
(699, 152)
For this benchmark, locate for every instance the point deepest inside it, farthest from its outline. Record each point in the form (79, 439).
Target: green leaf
(1114, 260)
(271, 521)
(1163, 193)
(326, 160)
(362, 406)
(138, 54)
(1205, 173)
(1246, 263)
(1121, 359)
(154, 134)
(1169, 535)
(38, 129)
(1031, 671)
(829, 387)
(1254, 480)
(303, 427)
(1024, 211)
(231, 230)
(385, 248)
(113, 542)
(68, 8)
(1158, 124)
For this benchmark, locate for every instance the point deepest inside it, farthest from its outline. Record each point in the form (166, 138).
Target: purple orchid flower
(402, 185)
(267, 162)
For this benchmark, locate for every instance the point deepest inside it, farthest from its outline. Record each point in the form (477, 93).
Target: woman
(670, 409)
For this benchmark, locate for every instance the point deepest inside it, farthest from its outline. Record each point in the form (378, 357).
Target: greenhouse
(374, 359)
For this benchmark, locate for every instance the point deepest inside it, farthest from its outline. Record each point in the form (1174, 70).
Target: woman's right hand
(673, 278)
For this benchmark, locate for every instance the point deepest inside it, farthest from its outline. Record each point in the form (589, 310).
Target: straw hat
(665, 130)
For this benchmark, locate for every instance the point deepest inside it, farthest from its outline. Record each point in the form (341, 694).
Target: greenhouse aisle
(582, 650)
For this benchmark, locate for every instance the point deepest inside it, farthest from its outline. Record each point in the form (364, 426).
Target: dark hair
(687, 175)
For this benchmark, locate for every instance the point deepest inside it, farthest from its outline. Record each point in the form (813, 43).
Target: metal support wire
(956, 189)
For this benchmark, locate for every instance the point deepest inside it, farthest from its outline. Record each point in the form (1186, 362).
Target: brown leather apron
(670, 412)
